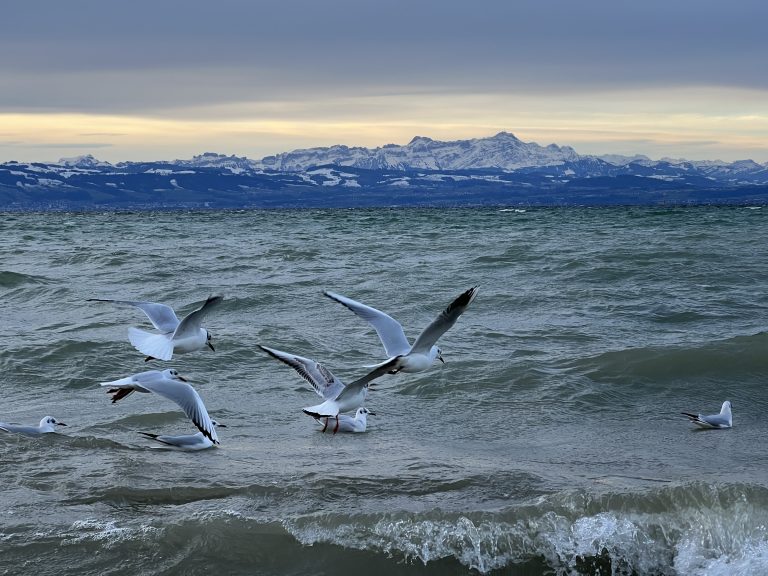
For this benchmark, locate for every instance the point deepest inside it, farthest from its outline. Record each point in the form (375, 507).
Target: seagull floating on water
(424, 351)
(169, 384)
(47, 425)
(338, 397)
(722, 420)
(356, 423)
(187, 442)
(176, 336)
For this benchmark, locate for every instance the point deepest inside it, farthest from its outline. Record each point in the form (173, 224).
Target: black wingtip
(215, 299)
(463, 300)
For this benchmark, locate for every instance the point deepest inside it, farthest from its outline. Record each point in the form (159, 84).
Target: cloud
(167, 79)
(153, 56)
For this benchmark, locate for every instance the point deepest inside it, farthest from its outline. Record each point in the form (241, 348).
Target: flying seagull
(169, 384)
(337, 396)
(175, 336)
(409, 358)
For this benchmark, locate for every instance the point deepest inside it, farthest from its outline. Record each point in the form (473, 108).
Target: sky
(168, 79)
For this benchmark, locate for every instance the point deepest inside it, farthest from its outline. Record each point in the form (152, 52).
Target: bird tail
(155, 345)
(315, 413)
(392, 361)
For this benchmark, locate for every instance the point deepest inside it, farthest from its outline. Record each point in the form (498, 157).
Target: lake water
(550, 441)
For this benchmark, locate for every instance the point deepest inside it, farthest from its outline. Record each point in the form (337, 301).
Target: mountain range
(498, 170)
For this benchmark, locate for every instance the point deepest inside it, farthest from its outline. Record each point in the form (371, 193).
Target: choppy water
(549, 443)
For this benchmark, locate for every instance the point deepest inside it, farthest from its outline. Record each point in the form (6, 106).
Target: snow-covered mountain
(500, 169)
(503, 151)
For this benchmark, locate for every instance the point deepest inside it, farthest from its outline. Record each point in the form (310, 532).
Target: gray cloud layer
(85, 55)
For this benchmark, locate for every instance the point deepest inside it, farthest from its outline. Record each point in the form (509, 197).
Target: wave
(693, 529)
(10, 279)
(741, 355)
(685, 530)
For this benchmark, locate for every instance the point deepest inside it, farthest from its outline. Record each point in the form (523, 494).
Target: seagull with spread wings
(175, 336)
(404, 357)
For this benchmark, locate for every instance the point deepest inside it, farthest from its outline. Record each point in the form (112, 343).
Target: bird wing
(443, 322)
(322, 380)
(188, 399)
(389, 330)
(711, 421)
(21, 429)
(193, 320)
(715, 420)
(186, 441)
(135, 381)
(162, 317)
(355, 386)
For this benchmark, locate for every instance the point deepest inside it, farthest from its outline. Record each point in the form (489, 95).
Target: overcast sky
(168, 79)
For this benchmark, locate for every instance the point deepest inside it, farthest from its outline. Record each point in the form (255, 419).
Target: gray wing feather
(389, 330)
(178, 441)
(443, 322)
(189, 400)
(355, 386)
(162, 317)
(715, 420)
(21, 429)
(320, 378)
(193, 320)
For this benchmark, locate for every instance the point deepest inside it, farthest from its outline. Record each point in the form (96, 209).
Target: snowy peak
(235, 164)
(502, 151)
(86, 161)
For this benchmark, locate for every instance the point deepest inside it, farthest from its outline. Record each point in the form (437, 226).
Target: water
(549, 443)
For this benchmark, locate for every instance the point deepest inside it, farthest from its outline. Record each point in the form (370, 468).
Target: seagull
(338, 397)
(175, 335)
(424, 351)
(170, 384)
(46, 426)
(722, 420)
(347, 423)
(188, 442)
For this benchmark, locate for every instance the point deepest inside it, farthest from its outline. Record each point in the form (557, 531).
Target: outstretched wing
(162, 317)
(322, 380)
(443, 322)
(189, 400)
(192, 321)
(355, 386)
(389, 330)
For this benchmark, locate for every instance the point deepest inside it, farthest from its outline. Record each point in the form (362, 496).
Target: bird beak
(60, 424)
(371, 413)
(210, 346)
(440, 357)
(180, 377)
(221, 426)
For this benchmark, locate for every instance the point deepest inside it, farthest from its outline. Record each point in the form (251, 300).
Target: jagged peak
(420, 140)
(504, 135)
(84, 161)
